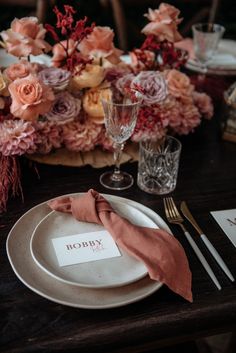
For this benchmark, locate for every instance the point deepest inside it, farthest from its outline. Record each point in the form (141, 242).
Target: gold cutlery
(173, 216)
(186, 212)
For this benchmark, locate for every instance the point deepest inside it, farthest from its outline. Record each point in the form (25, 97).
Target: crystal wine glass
(120, 115)
(206, 37)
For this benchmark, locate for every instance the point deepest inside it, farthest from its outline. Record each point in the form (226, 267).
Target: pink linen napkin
(161, 253)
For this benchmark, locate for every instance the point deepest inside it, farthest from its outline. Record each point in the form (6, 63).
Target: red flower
(65, 21)
(167, 56)
(74, 32)
(81, 31)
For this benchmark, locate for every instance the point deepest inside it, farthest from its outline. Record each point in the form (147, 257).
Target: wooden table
(30, 323)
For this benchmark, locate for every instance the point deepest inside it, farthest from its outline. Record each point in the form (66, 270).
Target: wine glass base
(124, 182)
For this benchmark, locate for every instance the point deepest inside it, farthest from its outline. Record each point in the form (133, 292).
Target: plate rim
(210, 70)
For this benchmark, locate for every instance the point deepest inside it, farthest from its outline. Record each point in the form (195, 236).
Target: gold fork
(173, 216)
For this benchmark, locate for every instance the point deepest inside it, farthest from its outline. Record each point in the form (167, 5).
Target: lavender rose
(152, 85)
(65, 108)
(54, 77)
(124, 82)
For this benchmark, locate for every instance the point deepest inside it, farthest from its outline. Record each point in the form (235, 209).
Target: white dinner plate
(8, 59)
(25, 268)
(106, 273)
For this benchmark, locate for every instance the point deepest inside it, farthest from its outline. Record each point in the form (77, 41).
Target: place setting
(209, 53)
(103, 283)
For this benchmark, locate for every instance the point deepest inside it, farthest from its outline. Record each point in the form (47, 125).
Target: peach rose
(60, 51)
(92, 103)
(99, 44)
(30, 98)
(20, 70)
(166, 13)
(91, 76)
(25, 37)
(179, 84)
(163, 23)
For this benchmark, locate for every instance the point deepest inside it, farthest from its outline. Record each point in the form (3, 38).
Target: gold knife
(186, 212)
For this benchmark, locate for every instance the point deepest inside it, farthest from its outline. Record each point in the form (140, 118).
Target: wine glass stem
(118, 148)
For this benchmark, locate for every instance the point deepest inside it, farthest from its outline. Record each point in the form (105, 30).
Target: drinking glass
(206, 37)
(120, 115)
(158, 165)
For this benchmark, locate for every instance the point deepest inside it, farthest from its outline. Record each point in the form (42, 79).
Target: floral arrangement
(45, 108)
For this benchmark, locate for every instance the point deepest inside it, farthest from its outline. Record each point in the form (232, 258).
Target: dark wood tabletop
(207, 181)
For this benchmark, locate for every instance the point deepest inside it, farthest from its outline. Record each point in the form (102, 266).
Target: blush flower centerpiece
(44, 108)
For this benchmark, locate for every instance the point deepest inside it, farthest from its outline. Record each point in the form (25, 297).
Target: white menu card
(86, 247)
(227, 221)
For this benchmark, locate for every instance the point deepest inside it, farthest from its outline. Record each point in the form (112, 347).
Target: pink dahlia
(150, 124)
(48, 136)
(81, 136)
(204, 104)
(16, 137)
(184, 118)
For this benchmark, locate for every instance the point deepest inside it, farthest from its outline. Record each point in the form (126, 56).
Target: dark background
(133, 10)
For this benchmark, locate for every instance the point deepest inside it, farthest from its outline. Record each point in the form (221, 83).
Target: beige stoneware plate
(106, 273)
(25, 268)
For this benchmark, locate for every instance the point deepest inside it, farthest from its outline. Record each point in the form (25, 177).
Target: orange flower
(92, 103)
(91, 76)
(61, 50)
(99, 44)
(20, 70)
(179, 84)
(163, 23)
(25, 37)
(30, 98)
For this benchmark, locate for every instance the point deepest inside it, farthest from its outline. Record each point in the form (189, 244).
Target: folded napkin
(161, 253)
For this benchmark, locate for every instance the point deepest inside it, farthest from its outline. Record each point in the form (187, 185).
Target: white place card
(86, 247)
(227, 221)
